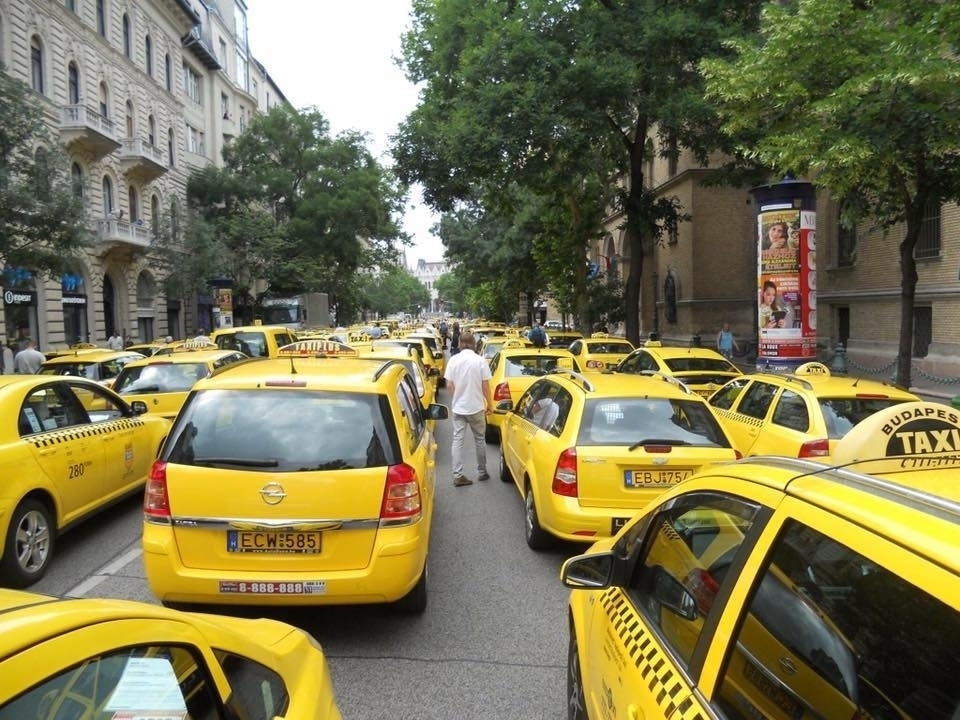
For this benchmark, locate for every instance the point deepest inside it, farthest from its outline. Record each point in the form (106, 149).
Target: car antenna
(293, 368)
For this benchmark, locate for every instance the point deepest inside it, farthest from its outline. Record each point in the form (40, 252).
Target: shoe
(484, 476)
(461, 480)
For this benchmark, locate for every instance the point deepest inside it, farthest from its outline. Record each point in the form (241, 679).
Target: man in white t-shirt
(115, 342)
(468, 381)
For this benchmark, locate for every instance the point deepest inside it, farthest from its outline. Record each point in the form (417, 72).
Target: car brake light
(815, 448)
(657, 448)
(594, 364)
(502, 392)
(156, 502)
(401, 496)
(565, 476)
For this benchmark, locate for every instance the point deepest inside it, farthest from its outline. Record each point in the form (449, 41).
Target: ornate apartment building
(139, 93)
(707, 274)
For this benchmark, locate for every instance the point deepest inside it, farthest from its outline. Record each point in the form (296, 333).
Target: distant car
(82, 658)
(563, 337)
(587, 451)
(95, 364)
(701, 369)
(259, 341)
(600, 351)
(69, 447)
(553, 325)
(800, 414)
(306, 479)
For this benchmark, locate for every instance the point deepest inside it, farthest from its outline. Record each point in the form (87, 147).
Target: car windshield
(160, 378)
(282, 431)
(634, 420)
(251, 344)
(529, 365)
(608, 347)
(696, 364)
(841, 414)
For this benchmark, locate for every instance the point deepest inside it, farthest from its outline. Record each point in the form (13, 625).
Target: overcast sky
(337, 55)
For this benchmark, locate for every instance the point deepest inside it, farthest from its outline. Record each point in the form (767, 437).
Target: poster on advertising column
(786, 285)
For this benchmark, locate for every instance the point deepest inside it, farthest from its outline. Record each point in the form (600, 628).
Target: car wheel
(415, 601)
(29, 544)
(505, 474)
(491, 434)
(576, 704)
(537, 539)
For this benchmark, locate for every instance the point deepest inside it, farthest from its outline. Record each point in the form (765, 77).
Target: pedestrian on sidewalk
(468, 380)
(726, 342)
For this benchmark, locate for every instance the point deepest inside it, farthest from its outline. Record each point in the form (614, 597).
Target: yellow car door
(54, 426)
(743, 407)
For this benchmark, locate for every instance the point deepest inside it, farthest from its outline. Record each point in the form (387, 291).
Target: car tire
(29, 544)
(491, 434)
(537, 538)
(576, 701)
(415, 601)
(505, 474)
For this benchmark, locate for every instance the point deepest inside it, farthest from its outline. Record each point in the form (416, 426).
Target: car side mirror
(593, 570)
(139, 407)
(436, 411)
(433, 371)
(504, 406)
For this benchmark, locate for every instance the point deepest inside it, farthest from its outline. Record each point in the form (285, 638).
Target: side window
(93, 402)
(524, 406)
(258, 693)
(791, 412)
(50, 408)
(689, 547)
(494, 364)
(631, 363)
(831, 633)
(134, 682)
(647, 362)
(410, 408)
(575, 347)
(726, 396)
(756, 400)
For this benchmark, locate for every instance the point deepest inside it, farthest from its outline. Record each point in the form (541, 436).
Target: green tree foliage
(294, 210)
(394, 290)
(862, 98)
(559, 97)
(452, 287)
(43, 224)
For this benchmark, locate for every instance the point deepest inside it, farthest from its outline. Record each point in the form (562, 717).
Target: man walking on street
(29, 360)
(468, 380)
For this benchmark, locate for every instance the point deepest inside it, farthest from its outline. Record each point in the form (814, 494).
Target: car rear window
(841, 414)
(160, 378)
(531, 366)
(631, 420)
(283, 431)
(609, 347)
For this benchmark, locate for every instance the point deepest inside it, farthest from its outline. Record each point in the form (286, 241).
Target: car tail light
(815, 448)
(704, 587)
(502, 392)
(594, 364)
(565, 476)
(737, 454)
(401, 496)
(156, 502)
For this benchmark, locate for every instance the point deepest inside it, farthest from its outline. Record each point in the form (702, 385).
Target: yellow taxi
(562, 337)
(69, 447)
(257, 341)
(97, 658)
(147, 348)
(587, 452)
(419, 345)
(162, 382)
(487, 348)
(410, 357)
(330, 467)
(800, 414)
(701, 369)
(514, 369)
(54, 352)
(435, 343)
(600, 351)
(782, 588)
(94, 363)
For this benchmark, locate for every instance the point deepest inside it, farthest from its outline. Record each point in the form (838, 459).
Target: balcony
(122, 235)
(200, 44)
(86, 130)
(142, 161)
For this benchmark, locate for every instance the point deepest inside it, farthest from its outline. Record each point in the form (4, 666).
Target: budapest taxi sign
(318, 348)
(908, 436)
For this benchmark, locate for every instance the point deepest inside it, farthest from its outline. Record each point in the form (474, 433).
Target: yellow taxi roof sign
(318, 348)
(195, 344)
(813, 368)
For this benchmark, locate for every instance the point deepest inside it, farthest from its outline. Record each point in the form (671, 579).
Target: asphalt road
(491, 644)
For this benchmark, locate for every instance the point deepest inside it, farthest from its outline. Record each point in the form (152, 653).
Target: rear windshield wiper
(245, 462)
(657, 441)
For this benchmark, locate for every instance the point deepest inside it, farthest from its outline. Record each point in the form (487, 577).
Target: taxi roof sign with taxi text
(318, 348)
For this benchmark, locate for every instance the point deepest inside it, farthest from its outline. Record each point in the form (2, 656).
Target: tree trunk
(908, 289)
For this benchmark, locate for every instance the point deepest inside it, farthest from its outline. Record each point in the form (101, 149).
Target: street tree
(548, 93)
(861, 97)
(43, 223)
(393, 289)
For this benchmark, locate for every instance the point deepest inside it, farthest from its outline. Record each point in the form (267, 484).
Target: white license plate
(653, 478)
(617, 523)
(256, 541)
(250, 587)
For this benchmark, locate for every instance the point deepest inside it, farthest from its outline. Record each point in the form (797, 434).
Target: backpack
(538, 337)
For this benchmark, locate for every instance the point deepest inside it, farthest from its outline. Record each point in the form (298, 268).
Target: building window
(170, 147)
(36, 64)
(194, 140)
(168, 71)
(107, 197)
(154, 213)
(127, 44)
(129, 119)
(133, 200)
(104, 101)
(71, 5)
(224, 106)
(191, 83)
(223, 54)
(243, 118)
(928, 244)
(151, 131)
(922, 330)
(148, 49)
(102, 18)
(76, 178)
(73, 84)
(846, 244)
(241, 70)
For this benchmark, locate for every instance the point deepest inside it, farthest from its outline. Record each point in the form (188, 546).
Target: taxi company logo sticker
(128, 456)
(921, 431)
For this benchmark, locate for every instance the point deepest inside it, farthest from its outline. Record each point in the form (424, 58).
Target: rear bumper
(565, 518)
(397, 561)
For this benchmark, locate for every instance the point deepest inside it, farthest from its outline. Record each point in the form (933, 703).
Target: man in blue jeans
(468, 381)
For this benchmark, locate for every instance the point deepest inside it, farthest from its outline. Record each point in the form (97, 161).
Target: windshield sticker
(148, 688)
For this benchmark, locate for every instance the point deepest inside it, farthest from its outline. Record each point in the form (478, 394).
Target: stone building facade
(139, 93)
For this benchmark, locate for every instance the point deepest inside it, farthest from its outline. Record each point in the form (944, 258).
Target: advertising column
(786, 275)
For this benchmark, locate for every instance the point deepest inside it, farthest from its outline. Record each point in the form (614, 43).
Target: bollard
(839, 364)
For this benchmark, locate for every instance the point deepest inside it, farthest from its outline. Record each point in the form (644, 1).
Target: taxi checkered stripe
(737, 417)
(55, 437)
(648, 657)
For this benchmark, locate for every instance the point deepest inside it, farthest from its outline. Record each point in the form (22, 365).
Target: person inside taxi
(467, 377)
